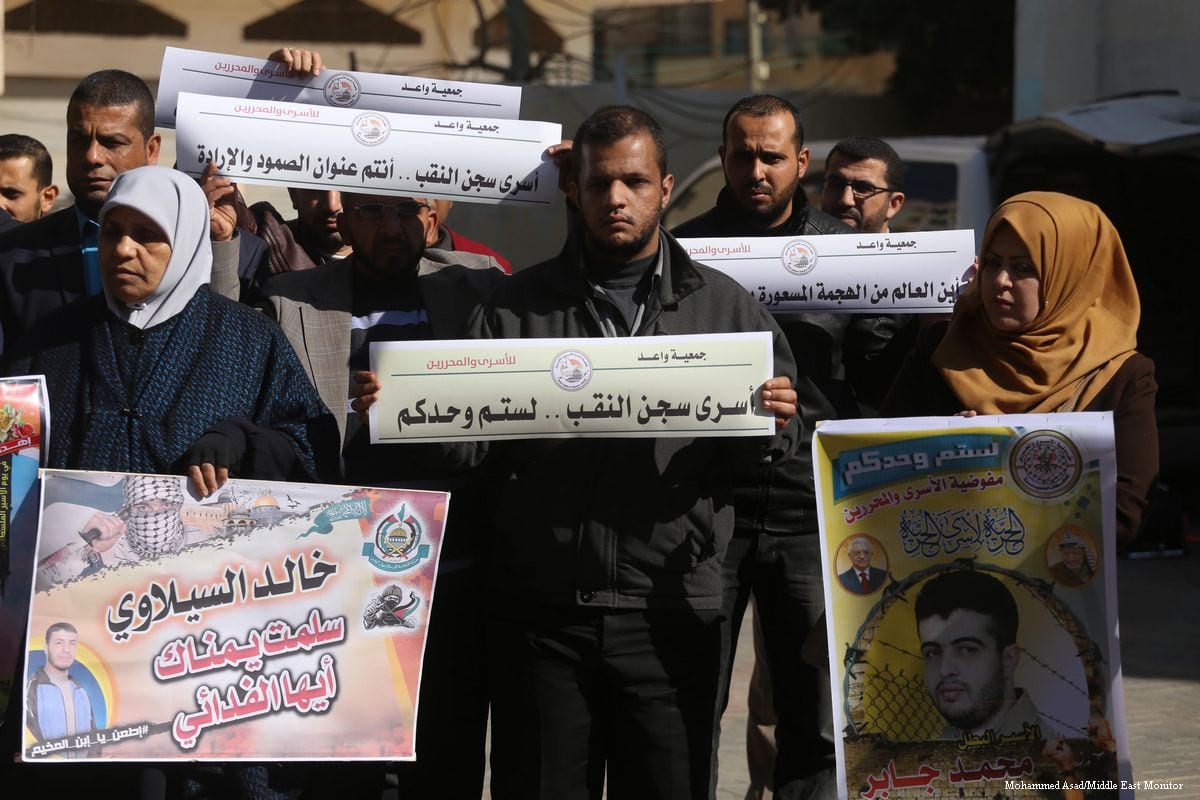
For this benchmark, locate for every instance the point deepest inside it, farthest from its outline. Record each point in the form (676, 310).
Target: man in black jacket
(775, 551)
(55, 260)
(607, 563)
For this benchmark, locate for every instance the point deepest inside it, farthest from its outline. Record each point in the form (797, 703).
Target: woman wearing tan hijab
(1048, 325)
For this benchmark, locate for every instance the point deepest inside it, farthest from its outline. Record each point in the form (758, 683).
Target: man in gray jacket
(775, 550)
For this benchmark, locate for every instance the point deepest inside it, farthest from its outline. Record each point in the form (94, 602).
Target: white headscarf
(176, 204)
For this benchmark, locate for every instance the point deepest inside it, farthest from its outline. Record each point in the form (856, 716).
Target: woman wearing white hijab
(162, 375)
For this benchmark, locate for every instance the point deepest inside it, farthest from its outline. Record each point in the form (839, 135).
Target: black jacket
(781, 499)
(621, 523)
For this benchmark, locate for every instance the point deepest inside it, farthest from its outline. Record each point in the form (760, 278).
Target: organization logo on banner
(1045, 464)
(397, 544)
(571, 370)
(391, 609)
(799, 257)
(370, 129)
(342, 90)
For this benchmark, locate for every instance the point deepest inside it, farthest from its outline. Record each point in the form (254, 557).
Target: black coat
(781, 499)
(130, 400)
(612, 522)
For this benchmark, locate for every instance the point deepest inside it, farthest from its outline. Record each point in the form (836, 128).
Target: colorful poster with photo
(971, 599)
(273, 621)
(24, 430)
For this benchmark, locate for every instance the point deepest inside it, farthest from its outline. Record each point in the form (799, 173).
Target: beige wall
(217, 25)
(448, 29)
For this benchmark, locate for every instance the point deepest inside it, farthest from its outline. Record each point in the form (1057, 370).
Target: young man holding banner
(609, 550)
(774, 552)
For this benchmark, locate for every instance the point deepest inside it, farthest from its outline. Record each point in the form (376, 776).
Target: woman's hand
(967, 414)
(779, 397)
(364, 387)
(210, 458)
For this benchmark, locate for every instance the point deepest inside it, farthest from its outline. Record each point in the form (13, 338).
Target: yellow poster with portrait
(971, 600)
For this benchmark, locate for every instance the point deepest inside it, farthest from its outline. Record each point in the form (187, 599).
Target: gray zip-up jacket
(621, 523)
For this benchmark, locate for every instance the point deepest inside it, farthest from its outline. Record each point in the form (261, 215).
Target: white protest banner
(320, 147)
(248, 78)
(913, 272)
(520, 388)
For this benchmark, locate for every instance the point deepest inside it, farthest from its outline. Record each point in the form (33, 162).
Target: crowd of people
(183, 331)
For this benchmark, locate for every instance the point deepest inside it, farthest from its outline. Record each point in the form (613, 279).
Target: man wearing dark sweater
(775, 551)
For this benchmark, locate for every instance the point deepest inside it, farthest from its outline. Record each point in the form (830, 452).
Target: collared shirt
(1020, 713)
(89, 252)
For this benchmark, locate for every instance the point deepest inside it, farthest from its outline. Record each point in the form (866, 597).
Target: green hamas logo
(397, 545)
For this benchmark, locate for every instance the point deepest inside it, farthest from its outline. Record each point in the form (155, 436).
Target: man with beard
(56, 705)
(391, 289)
(967, 624)
(27, 189)
(309, 240)
(864, 184)
(864, 189)
(775, 551)
(612, 547)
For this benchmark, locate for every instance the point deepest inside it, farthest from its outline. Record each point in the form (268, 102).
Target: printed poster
(971, 593)
(273, 621)
(24, 430)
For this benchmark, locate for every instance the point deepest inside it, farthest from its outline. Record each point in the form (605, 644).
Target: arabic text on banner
(516, 388)
(322, 147)
(914, 272)
(227, 75)
(24, 432)
(971, 594)
(274, 621)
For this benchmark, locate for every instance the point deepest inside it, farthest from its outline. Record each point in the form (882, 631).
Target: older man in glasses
(864, 182)
(391, 288)
(775, 553)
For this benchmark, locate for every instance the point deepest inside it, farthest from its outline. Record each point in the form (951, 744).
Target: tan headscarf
(1087, 326)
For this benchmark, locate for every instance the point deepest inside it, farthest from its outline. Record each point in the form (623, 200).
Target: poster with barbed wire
(270, 621)
(971, 599)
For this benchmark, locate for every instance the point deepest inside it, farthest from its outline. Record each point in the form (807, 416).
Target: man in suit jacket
(862, 578)
(392, 289)
(110, 129)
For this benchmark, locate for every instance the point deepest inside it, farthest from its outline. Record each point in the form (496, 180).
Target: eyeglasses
(836, 184)
(374, 211)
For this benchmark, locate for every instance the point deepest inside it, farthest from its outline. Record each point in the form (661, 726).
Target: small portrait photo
(68, 688)
(862, 565)
(1072, 556)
